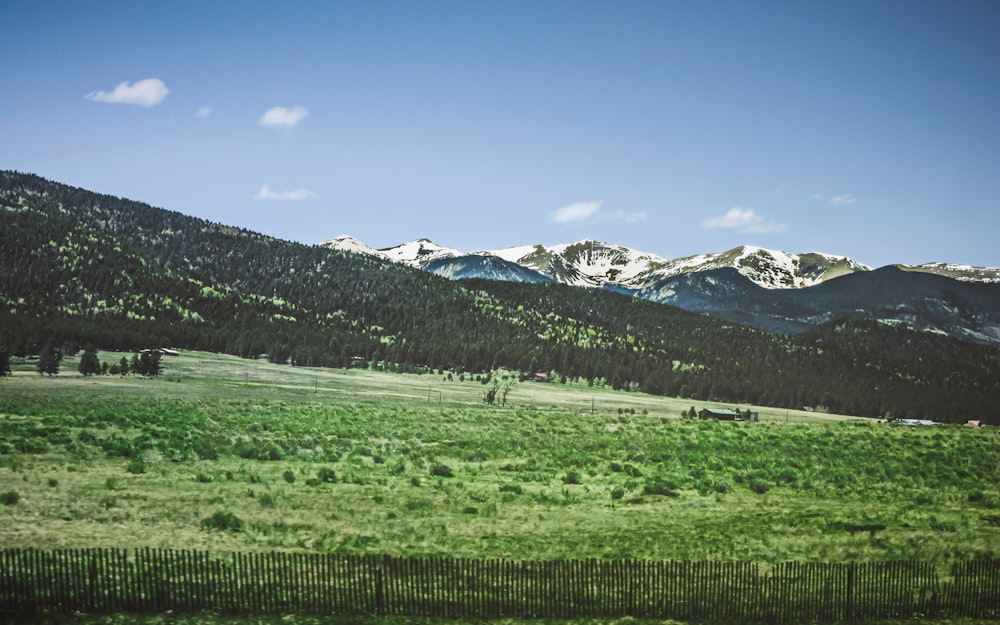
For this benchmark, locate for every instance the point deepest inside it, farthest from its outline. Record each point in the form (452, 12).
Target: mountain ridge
(81, 267)
(598, 264)
(760, 288)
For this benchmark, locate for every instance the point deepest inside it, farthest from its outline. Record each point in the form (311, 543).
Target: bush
(267, 500)
(136, 466)
(224, 521)
(9, 498)
(511, 488)
(289, 476)
(326, 474)
(441, 470)
(660, 486)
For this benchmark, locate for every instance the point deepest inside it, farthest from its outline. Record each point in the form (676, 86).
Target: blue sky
(867, 129)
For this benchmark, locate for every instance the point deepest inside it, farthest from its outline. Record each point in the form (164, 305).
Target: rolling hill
(80, 267)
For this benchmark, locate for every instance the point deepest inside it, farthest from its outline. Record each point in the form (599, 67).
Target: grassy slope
(560, 472)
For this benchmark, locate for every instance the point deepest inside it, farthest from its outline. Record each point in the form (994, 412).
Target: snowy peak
(418, 253)
(771, 269)
(347, 243)
(589, 263)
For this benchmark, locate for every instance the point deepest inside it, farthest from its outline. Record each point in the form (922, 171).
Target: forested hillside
(78, 267)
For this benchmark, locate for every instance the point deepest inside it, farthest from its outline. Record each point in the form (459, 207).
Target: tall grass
(304, 471)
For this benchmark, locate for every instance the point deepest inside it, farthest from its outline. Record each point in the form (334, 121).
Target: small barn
(721, 414)
(724, 414)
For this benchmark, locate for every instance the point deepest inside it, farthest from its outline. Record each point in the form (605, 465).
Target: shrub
(289, 476)
(759, 486)
(572, 477)
(9, 498)
(441, 470)
(326, 474)
(53, 482)
(617, 492)
(136, 466)
(224, 521)
(511, 488)
(204, 478)
(660, 486)
(267, 500)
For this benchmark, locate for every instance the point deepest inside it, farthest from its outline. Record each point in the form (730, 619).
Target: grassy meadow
(226, 454)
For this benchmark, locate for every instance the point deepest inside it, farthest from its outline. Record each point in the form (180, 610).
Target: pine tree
(89, 362)
(4, 363)
(48, 360)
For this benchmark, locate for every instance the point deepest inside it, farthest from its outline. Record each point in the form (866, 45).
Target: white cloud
(148, 92)
(839, 200)
(590, 212)
(266, 193)
(205, 111)
(745, 220)
(283, 117)
(843, 200)
(577, 212)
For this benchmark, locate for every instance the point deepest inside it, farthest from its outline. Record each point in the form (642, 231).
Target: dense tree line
(79, 267)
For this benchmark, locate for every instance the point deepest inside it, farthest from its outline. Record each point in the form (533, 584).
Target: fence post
(379, 589)
(849, 599)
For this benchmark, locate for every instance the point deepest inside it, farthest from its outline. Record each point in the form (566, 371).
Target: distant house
(973, 424)
(915, 422)
(539, 377)
(724, 414)
(163, 351)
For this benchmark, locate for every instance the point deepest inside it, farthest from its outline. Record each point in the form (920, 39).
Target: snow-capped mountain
(965, 273)
(597, 264)
(347, 243)
(418, 253)
(587, 263)
(603, 265)
(767, 289)
(770, 269)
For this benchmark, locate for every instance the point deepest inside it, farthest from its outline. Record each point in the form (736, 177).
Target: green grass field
(364, 462)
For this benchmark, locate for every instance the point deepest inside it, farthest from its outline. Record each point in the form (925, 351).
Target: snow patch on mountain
(347, 243)
(419, 253)
(966, 273)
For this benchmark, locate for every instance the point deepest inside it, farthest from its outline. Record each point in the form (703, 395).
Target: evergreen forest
(79, 268)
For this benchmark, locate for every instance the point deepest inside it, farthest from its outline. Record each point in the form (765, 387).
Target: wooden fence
(147, 580)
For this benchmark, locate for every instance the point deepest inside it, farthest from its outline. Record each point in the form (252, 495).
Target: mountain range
(78, 268)
(757, 287)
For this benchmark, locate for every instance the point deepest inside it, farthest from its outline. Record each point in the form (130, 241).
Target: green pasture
(220, 453)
